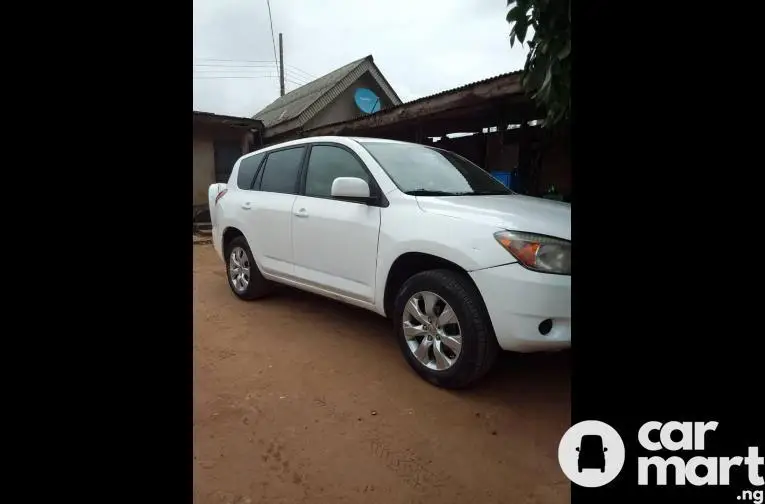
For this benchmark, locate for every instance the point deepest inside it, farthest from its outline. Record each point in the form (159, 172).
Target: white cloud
(421, 46)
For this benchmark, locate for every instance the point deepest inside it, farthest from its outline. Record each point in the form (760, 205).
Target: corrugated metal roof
(292, 104)
(462, 88)
(209, 117)
(426, 98)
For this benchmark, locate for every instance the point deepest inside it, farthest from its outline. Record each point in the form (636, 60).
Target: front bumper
(519, 300)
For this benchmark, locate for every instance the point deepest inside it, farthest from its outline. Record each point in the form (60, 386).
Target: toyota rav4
(462, 265)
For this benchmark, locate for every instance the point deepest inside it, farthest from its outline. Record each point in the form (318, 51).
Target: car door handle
(303, 213)
(246, 205)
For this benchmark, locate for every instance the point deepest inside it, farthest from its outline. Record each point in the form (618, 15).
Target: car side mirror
(605, 449)
(351, 188)
(577, 448)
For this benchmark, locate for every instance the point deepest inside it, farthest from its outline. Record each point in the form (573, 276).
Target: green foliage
(547, 73)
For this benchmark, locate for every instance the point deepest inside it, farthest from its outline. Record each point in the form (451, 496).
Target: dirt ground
(298, 399)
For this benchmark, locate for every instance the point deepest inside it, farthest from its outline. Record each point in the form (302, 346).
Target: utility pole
(281, 66)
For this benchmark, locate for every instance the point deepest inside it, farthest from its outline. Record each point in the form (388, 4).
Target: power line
(306, 74)
(230, 73)
(236, 77)
(291, 78)
(234, 60)
(271, 22)
(215, 77)
(235, 70)
(264, 66)
(258, 62)
(196, 77)
(295, 81)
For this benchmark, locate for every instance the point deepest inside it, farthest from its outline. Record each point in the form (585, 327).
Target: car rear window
(247, 168)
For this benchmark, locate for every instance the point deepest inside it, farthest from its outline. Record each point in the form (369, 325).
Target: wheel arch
(228, 236)
(409, 264)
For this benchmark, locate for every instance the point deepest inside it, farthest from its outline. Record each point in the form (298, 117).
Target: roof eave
(226, 120)
(282, 127)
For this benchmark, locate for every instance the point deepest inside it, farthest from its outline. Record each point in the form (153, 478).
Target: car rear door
(267, 213)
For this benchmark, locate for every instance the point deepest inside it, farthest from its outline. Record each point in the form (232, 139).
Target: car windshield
(426, 171)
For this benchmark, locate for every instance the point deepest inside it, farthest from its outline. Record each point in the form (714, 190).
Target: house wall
(204, 168)
(204, 138)
(344, 106)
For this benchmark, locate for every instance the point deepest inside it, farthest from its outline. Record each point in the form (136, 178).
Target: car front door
(334, 242)
(267, 213)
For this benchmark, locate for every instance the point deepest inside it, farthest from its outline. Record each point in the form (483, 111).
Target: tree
(547, 72)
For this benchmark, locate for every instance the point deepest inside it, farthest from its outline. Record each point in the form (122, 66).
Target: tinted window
(421, 170)
(281, 171)
(325, 165)
(247, 169)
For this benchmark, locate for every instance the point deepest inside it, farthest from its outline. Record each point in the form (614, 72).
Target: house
(219, 140)
(354, 90)
(499, 127)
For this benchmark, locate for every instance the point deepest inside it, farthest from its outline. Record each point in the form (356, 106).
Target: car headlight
(537, 252)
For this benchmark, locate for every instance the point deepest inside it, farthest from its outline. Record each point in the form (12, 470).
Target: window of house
(280, 174)
(247, 169)
(325, 165)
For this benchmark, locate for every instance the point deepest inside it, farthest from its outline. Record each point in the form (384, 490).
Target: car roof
(379, 140)
(337, 139)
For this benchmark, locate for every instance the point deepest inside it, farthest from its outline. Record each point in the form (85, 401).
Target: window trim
(259, 174)
(374, 187)
(258, 180)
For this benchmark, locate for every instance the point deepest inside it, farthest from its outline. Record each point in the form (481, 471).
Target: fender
(437, 235)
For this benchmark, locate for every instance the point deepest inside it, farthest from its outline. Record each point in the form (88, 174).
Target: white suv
(462, 265)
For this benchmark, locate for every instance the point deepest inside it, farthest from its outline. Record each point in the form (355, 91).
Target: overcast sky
(421, 46)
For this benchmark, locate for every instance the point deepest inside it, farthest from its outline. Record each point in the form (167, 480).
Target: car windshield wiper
(428, 192)
(488, 193)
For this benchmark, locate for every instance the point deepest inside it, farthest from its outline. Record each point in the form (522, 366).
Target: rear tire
(242, 272)
(478, 346)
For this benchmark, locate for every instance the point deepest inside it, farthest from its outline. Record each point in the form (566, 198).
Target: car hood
(513, 212)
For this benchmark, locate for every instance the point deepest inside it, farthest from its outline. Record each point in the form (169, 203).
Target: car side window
(247, 168)
(325, 165)
(280, 173)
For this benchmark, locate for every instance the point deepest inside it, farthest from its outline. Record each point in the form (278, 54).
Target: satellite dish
(367, 101)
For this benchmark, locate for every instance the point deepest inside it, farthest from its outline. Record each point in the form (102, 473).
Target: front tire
(243, 275)
(443, 329)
